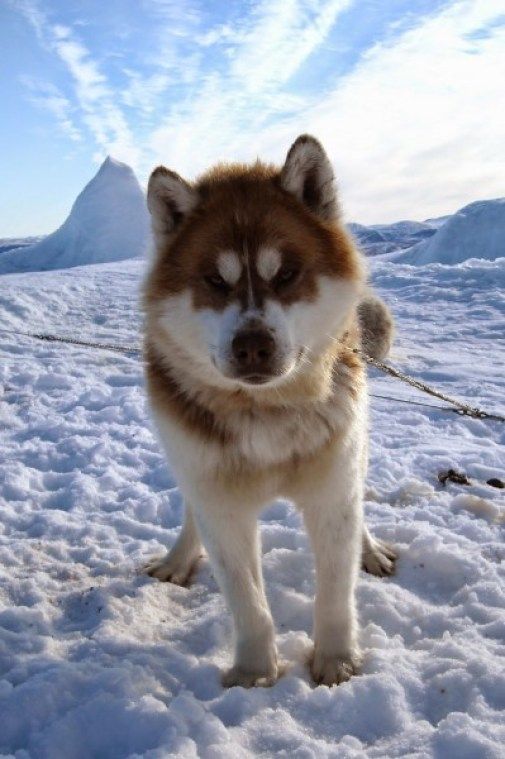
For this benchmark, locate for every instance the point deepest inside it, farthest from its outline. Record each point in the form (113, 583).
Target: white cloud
(282, 35)
(143, 92)
(226, 116)
(96, 99)
(415, 130)
(47, 96)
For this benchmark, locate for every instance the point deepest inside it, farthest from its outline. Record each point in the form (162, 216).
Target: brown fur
(240, 208)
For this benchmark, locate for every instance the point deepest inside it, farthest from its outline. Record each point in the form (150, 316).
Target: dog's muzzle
(254, 356)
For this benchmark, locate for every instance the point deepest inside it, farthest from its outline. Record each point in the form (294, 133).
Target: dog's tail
(376, 326)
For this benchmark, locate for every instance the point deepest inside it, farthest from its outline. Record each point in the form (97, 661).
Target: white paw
(249, 679)
(329, 669)
(175, 567)
(379, 560)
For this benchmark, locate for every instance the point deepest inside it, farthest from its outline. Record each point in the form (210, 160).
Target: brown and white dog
(251, 319)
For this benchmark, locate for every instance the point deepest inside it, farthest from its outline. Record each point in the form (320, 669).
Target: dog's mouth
(259, 375)
(250, 378)
(256, 379)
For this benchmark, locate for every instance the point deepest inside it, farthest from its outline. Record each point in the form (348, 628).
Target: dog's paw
(174, 567)
(247, 679)
(327, 669)
(379, 560)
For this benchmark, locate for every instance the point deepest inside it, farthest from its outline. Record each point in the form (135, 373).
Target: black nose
(253, 350)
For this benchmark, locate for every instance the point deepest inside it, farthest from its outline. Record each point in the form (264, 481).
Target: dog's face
(253, 274)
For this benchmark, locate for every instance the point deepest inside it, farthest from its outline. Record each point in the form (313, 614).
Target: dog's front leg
(333, 517)
(231, 539)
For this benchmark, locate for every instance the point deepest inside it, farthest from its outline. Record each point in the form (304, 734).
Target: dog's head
(254, 273)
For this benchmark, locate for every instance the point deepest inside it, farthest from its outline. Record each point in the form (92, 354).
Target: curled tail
(376, 325)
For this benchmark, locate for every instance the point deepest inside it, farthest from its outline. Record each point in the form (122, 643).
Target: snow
(404, 229)
(437, 222)
(98, 660)
(384, 238)
(109, 221)
(476, 231)
(9, 243)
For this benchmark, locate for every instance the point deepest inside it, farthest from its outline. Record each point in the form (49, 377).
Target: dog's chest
(268, 437)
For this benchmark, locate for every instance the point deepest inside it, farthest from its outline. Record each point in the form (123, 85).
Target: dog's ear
(169, 199)
(308, 175)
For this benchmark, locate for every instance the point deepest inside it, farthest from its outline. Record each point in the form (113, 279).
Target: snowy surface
(476, 231)
(109, 221)
(97, 660)
(9, 243)
(385, 238)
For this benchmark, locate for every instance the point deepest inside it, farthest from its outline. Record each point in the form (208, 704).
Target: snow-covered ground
(97, 660)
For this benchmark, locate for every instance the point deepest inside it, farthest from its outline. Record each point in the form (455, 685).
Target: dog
(257, 390)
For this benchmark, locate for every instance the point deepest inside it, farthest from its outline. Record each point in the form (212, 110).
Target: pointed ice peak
(113, 166)
(108, 221)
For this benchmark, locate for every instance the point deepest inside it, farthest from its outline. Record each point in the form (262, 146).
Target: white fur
(268, 263)
(250, 291)
(298, 330)
(329, 495)
(229, 266)
(332, 510)
(310, 326)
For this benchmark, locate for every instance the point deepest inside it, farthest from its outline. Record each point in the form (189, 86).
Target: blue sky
(406, 95)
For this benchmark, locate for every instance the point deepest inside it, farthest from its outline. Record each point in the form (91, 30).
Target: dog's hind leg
(230, 536)
(377, 558)
(178, 564)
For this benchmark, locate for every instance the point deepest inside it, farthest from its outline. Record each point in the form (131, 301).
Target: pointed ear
(169, 199)
(308, 175)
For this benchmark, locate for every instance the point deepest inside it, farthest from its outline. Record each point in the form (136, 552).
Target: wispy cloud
(143, 92)
(417, 126)
(281, 34)
(95, 97)
(98, 101)
(414, 128)
(47, 96)
(236, 101)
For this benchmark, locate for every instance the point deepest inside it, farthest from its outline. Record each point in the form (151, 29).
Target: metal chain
(74, 341)
(461, 408)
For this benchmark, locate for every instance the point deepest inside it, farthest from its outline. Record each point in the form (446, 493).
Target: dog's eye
(287, 276)
(216, 282)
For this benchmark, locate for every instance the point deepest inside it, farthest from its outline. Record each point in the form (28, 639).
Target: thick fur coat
(253, 316)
